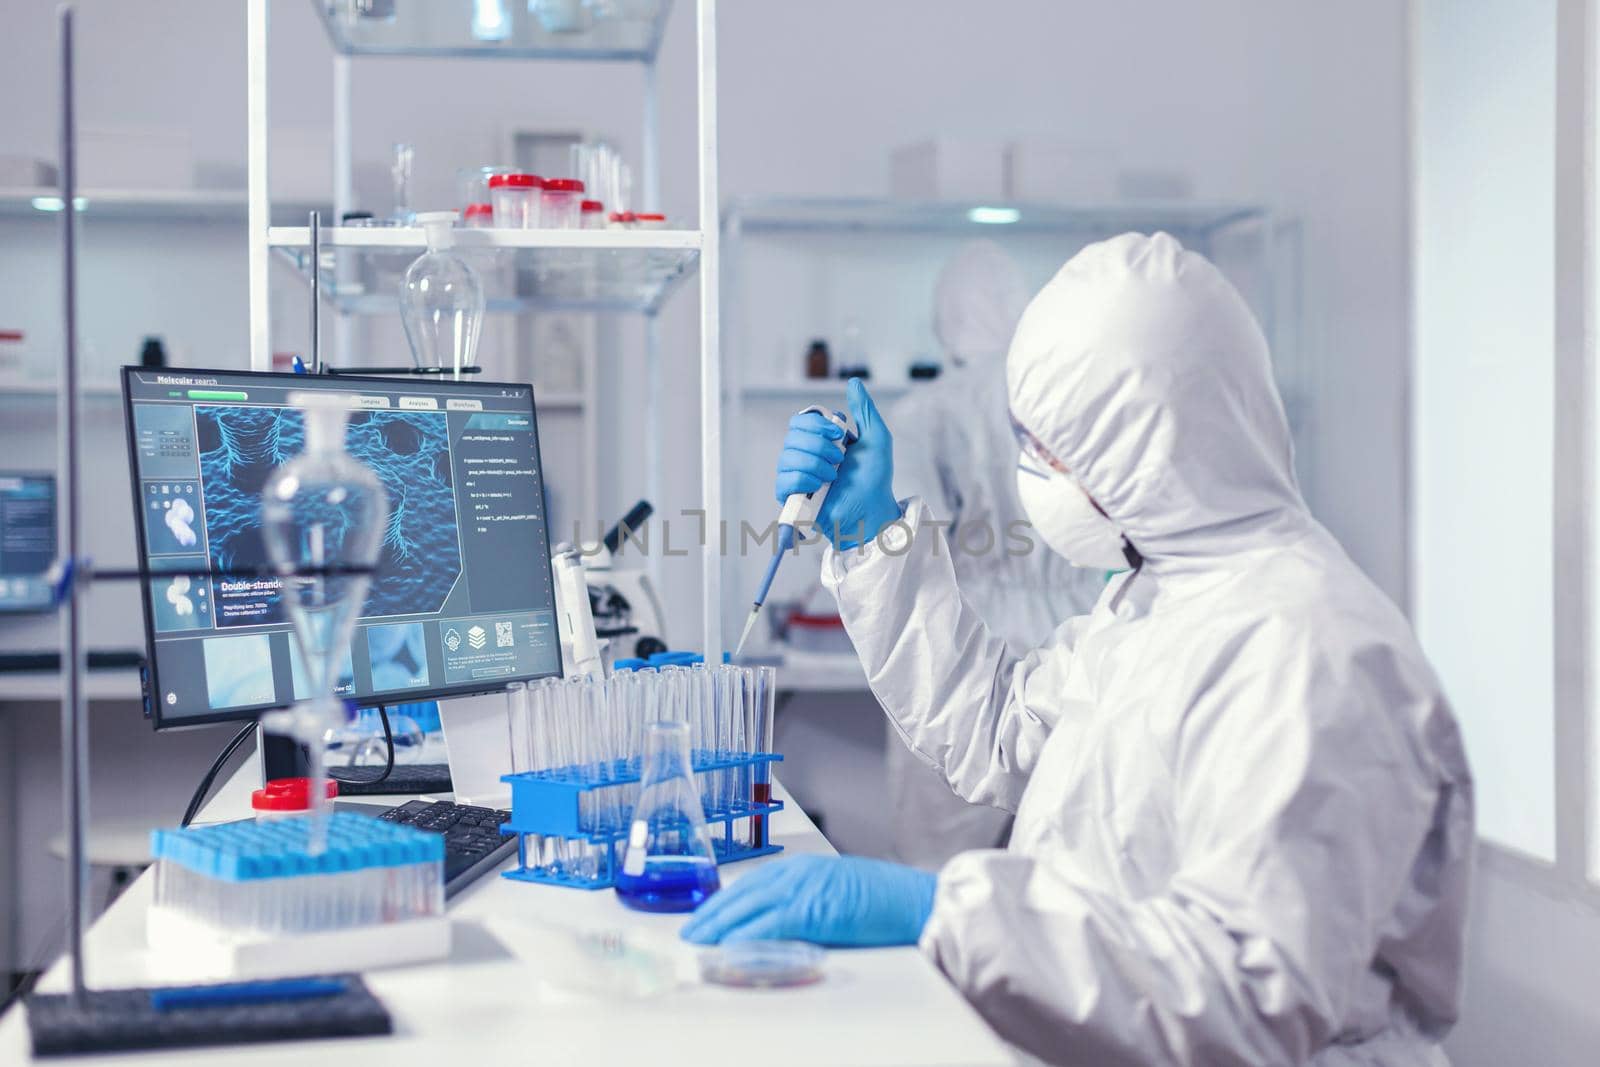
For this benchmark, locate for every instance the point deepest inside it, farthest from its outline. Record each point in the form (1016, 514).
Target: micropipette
(798, 508)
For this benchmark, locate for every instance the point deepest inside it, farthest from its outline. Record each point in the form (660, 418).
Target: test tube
(766, 700)
(518, 736)
(742, 781)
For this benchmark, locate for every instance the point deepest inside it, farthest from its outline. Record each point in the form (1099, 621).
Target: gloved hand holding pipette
(831, 478)
(860, 499)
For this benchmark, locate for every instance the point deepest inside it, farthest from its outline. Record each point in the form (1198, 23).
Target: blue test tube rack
(546, 807)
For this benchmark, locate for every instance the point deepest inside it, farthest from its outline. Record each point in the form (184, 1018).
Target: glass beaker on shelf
(668, 864)
(442, 301)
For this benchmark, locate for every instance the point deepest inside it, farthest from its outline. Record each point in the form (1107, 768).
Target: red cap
(815, 622)
(289, 794)
(479, 209)
(650, 217)
(516, 181)
(623, 216)
(562, 185)
(591, 205)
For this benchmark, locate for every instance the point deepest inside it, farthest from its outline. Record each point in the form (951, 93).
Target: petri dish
(762, 964)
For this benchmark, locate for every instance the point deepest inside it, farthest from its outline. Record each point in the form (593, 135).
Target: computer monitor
(27, 540)
(462, 602)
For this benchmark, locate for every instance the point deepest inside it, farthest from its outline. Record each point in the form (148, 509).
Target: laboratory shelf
(146, 205)
(500, 29)
(809, 390)
(806, 215)
(45, 393)
(566, 270)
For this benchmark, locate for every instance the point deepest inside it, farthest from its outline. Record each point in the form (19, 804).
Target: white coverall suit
(955, 450)
(1243, 813)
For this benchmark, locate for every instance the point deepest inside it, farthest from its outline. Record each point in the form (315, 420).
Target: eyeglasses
(1034, 448)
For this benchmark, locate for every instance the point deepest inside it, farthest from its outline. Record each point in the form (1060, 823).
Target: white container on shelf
(472, 184)
(14, 362)
(516, 200)
(948, 168)
(591, 215)
(559, 209)
(1056, 172)
(26, 172)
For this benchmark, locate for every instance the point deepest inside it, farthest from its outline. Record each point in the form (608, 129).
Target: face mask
(1067, 519)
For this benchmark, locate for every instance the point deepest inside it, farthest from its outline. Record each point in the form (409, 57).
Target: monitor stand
(478, 738)
(281, 757)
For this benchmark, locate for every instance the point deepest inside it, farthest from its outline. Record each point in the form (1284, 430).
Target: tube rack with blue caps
(576, 747)
(261, 880)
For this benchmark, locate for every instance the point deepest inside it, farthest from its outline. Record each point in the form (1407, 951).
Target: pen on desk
(213, 996)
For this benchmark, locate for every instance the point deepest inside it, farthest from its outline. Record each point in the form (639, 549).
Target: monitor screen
(462, 601)
(27, 540)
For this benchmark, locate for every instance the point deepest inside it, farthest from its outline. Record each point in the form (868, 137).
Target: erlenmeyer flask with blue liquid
(669, 864)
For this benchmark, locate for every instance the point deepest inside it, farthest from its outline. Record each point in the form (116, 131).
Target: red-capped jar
(560, 209)
(282, 798)
(591, 215)
(623, 220)
(478, 216)
(647, 220)
(515, 200)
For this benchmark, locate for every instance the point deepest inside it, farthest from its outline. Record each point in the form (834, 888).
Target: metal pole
(314, 224)
(653, 444)
(650, 147)
(74, 720)
(344, 329)
(259, 217)
(710, 333)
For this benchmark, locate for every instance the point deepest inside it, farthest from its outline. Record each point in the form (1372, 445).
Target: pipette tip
(749, 624)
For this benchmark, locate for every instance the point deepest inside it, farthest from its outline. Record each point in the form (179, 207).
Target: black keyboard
(473, 844)
(406, 779)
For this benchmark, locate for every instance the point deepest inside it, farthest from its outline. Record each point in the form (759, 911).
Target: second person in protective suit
(1244, 818)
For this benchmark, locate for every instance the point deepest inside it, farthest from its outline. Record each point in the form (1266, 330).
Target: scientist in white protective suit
(955, 450)
(1243, 814)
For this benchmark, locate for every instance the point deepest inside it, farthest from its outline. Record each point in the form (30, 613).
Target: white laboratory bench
(489, 1003)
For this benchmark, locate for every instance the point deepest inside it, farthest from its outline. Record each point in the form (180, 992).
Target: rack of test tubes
(298, 895)
(576, 758)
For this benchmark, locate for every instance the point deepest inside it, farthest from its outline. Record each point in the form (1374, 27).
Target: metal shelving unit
(625, 271)
(1192, 222)
(555, 270)
(129, 213)
(142, 205)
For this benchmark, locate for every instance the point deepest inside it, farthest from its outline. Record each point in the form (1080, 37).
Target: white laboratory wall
(1501, 495)
(1484, 394)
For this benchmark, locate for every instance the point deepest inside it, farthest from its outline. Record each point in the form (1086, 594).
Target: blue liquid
(670, 883)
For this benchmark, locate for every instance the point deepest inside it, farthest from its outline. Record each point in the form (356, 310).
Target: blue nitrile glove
(831, 900)
(862, 500)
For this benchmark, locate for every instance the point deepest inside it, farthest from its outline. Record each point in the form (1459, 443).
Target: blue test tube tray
(547, 804)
